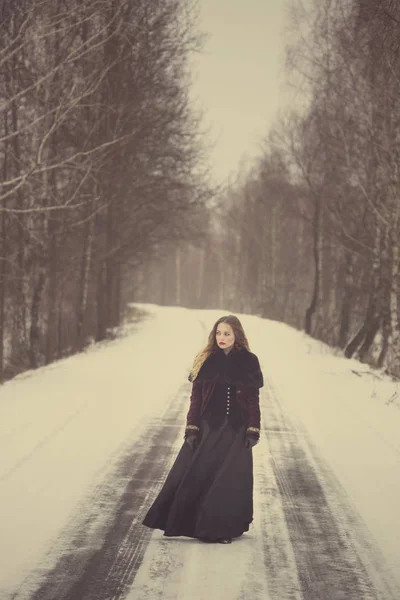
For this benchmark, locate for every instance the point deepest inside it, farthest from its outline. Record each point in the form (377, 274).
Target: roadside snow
(353, 417)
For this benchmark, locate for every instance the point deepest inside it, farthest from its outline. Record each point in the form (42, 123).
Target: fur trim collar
(239, 367)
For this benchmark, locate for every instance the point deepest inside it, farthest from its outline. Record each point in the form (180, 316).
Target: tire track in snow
(104, 545)
(335, 558)
(279, 567)
(180, 568)
(260, 565)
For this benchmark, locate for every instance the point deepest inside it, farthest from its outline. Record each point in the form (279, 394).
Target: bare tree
(100, 155)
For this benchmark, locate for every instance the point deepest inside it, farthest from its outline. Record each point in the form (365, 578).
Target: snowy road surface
(86, 443)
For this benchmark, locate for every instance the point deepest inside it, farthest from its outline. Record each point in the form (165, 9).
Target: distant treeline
(311, 235)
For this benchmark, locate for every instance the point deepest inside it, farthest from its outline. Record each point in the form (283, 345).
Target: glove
(192, 441)
(250, 441)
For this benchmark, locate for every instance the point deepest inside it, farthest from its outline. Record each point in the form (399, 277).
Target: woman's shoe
(226, 540)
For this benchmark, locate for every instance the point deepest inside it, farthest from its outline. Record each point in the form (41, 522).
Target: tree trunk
(274, 249)
(200, 301)
(112, 269)
(178, 276)
(345, 309)
(60, 334)
(370, 333)
(19, 302)
(116, 305)
(3, 245)
(393, 356)
(101, 304)
(51, 333)
(371, 321)
(84, 284)
(220, 279)
(381, 360)
(3, 254)
(34, 334)
(317, 267)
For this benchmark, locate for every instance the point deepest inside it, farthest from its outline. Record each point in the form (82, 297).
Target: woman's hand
(250, 441)
(192, 441)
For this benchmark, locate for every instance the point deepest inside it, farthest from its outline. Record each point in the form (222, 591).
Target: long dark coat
(208, 493)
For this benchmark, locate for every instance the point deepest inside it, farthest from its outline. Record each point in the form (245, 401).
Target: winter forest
(310, 236)
(106, 198)
(100, 164)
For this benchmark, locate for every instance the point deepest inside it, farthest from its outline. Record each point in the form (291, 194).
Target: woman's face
(224, 336)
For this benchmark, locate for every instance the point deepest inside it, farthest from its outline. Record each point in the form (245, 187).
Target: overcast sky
(238, 76)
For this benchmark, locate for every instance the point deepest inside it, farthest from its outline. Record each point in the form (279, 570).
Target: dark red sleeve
(253, 404)
(193, 416)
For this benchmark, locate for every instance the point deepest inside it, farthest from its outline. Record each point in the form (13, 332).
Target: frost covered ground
(62, 429)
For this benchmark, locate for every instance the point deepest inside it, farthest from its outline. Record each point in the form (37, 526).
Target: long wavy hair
(240, 342)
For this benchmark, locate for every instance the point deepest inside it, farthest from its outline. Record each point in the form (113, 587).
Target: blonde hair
(240, 341)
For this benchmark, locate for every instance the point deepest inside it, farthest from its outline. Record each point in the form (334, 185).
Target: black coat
(240, 369)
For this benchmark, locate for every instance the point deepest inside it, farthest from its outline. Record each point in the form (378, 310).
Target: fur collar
(239, 367)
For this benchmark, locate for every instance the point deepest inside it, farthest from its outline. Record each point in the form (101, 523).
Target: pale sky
(238, 77)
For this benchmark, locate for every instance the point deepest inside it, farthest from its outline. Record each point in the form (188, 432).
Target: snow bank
(352, 415)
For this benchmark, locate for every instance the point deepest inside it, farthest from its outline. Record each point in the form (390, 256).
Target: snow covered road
(307, 543)
(82, 460)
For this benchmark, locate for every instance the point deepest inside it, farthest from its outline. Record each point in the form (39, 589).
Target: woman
(208, 493)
